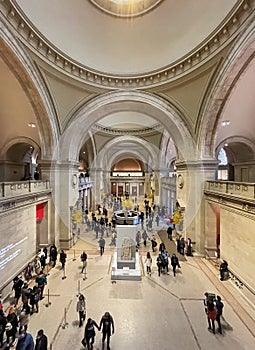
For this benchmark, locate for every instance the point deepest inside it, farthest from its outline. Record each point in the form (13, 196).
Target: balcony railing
(84, 183)
(239, 189)
(23, 188)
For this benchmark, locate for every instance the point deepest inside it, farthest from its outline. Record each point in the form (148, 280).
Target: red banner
(39, 211)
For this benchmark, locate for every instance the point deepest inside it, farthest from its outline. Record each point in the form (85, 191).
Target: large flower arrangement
(177, 217)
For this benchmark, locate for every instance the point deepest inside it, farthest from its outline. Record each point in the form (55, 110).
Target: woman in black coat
(41, 341)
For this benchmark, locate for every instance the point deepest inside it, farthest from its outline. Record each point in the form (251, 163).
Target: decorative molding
(241, 206)
(220, 38)
(10, 204)
(142, 131)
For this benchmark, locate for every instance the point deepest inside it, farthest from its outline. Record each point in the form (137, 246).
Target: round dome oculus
(126, 8)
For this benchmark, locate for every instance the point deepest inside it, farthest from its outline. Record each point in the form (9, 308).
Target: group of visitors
(14, 324)
(213, 309)
(163, 262)
(106, 325)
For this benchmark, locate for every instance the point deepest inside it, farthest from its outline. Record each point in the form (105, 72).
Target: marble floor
(163, 312)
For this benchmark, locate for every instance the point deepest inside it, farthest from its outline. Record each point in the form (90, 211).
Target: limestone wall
(17, 241)
(238, 243)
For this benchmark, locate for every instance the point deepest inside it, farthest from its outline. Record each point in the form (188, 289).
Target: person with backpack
(41, 281)
(34, 299)
(153, 244)
(219, 307)
(107, 326)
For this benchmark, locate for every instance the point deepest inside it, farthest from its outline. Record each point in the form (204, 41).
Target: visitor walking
(107, 326)
(175, 263)
(81, 309)
(89, 333)
(148, 263)
(219, 307)
(101, 245)
(84, 261)
(62, 258)
(41, 342)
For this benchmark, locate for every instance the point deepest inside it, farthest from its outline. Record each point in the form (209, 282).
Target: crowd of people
(27, 296)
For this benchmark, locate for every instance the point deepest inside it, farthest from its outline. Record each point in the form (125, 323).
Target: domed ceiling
(126, 46)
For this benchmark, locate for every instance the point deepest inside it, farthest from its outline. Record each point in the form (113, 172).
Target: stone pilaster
(190, 180)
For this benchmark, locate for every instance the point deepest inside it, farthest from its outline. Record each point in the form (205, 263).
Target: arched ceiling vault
(31, 95)
(183, 35)
(106, 104)
(232, 99)
(125, 146)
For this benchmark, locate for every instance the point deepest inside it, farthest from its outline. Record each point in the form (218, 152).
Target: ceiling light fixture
(31, 125)
(125, 8)
(225, 122)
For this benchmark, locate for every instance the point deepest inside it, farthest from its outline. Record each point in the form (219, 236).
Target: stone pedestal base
(125, 272)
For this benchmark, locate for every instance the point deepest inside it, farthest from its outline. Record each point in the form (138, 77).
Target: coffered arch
(117, 149)
(143, 102)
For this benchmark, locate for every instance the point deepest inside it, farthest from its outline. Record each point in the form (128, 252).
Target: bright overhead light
(126, 8)
(31, 125)
(225, 122)
(225, 144)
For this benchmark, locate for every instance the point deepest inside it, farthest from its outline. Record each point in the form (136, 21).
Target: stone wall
(238, 243)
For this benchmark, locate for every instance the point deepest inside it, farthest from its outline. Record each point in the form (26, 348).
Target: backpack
(36, 297)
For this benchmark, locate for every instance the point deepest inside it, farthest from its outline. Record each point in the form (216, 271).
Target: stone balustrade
(23, 188)
(237, 189)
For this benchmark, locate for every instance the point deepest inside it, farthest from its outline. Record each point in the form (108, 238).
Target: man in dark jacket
(84, 261)
(53, 255)
(89, 334)
(41, 341)
(175, 263)
(107, 325)
(62, 258)
(219, 307)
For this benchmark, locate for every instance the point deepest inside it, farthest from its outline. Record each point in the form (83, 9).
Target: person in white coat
(148, 263)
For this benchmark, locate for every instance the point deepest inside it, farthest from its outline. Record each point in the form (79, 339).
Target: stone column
(147, 184)
(190, 196)
(64, 183)
(96, 179)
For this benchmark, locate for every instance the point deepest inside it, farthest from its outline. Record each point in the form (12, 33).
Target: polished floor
(163, 312)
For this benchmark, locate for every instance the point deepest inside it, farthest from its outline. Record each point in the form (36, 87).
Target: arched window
(223, 165)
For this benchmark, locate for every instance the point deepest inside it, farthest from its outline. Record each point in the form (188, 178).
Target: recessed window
(222, 157)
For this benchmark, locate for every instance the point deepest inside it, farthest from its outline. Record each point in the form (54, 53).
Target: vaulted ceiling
(174, 51)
